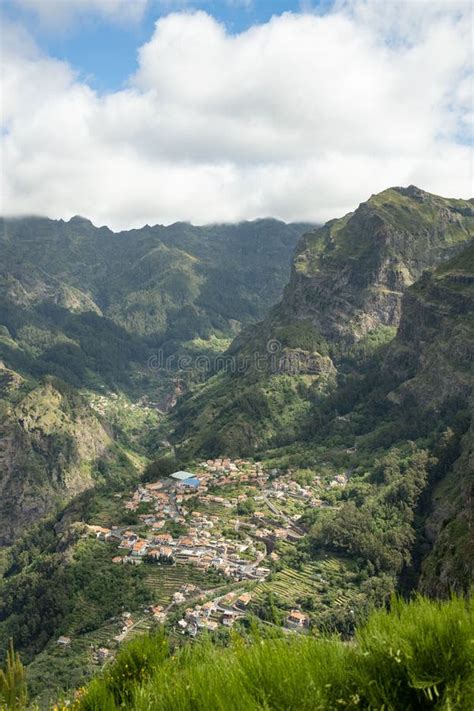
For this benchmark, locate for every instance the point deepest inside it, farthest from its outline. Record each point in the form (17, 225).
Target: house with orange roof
(242, 601)
(139, 548)
(186, 541)
(208, 608)
(166, 551)
(228, 600)
(296, 618)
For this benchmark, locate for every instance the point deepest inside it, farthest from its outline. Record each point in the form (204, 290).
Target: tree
(161, 468)
(267, 609)
(245, 508)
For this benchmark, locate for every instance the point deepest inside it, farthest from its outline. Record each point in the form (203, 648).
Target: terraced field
(290, 584)
(163, 581)
(141, 627)
(103, 636)
(313, 579)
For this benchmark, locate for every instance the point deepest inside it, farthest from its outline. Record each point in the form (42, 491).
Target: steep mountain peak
(349, 275)
(413, 191)
(347, 283)
(80, 220)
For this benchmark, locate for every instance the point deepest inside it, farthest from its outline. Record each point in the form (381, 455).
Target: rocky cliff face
(347, 284)
(449, 527)
(349, 276)
(433, 353)
(51, 444)
(433, 357)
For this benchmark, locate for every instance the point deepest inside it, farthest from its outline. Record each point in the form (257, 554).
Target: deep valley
(215, 493)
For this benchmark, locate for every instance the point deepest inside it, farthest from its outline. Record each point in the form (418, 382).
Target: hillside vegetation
(342, 306)
(352, 447)
(417, 656)
(166, 284)
(84, 315)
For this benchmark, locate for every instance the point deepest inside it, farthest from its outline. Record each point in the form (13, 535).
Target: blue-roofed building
(191, 482)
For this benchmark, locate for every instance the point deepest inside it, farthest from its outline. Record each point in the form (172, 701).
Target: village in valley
(228, 520)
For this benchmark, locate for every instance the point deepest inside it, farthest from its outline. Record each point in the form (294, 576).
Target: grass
(419, 655)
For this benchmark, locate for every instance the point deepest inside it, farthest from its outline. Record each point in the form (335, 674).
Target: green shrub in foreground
(420, 655)
(417, 656)
(135, 663)
(13, 693)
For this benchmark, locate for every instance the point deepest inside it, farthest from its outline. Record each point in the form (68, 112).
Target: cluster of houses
(224, 610)
(154, 495)
(202, 542)
(199, 547)
(102, 403)
(283, 488)
(227, 610)
(203, 545)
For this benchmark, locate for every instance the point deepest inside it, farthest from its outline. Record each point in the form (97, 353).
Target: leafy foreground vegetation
(13, 692)
(418, 655)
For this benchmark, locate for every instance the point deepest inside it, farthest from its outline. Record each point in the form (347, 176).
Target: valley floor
(213, 552)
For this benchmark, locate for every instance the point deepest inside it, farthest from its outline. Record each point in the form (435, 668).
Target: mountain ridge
(90, 308)
(374, 426)
(346, 287)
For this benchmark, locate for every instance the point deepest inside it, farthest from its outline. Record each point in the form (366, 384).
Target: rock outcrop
(349, 277)
(50, 445)
(433, 358)
(347, 284)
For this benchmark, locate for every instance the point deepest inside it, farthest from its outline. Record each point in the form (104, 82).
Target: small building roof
(63, 641)
(164, 537)
(244, 599)
(182, 476)
(166, 550)
(191, 482)
(297, 615)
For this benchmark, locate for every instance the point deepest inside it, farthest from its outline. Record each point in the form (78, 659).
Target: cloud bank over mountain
(299, 118)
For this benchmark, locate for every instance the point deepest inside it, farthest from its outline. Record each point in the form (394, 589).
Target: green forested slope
(89, 308)
(343, 303)
(170, 283)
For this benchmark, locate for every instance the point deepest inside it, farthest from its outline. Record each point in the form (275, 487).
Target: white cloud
(58, 13)
(301, 118)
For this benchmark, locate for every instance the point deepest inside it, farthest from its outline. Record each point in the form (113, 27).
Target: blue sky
(105, 53)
